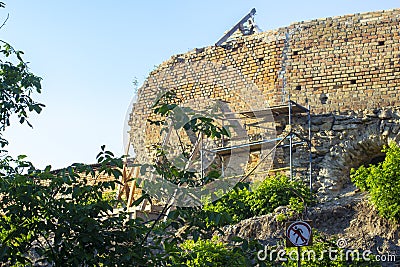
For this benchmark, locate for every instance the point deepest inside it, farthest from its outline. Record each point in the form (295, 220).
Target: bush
(235, 203)
(206, 253)
(382, 181)
(278, 191)
(273, 192)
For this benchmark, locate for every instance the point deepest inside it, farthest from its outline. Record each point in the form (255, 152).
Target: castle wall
(353, 59)
(339, 64)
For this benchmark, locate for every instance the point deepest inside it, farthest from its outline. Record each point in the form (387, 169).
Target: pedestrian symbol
(298, 234)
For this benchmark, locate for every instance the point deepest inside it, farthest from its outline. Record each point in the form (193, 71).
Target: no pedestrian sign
(298, 234)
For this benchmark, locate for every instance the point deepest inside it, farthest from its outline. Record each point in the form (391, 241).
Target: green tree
(56, 218)
(17, 84)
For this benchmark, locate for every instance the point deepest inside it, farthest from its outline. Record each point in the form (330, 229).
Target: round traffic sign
(299, 233)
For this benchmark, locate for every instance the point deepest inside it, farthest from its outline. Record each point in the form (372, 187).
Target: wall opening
(323, 98)
(376, 159)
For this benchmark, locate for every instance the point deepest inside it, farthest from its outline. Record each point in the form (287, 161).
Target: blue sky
(89, 52)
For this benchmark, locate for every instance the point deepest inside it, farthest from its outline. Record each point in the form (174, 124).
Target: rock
(351, 121)
(385, 114)
(281, 209)
(341, 117)
(395, 128)
(321, 150)
(386, 130)
(341, 127)
(371, 115)
(326, 126)
(318, 120)
(314, 128)
(366, 119)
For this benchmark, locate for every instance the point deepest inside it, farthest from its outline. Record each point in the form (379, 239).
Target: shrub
(278, 191)
(235, 203)
(206, 253)
(382, 181)
(273, 192)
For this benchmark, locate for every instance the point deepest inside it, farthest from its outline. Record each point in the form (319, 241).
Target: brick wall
(352, 61)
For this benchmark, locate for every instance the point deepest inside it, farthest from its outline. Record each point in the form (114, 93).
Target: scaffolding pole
(288, 109)
(309, 148)
(290, 139)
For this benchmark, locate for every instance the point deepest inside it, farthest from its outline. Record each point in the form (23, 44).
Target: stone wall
(348, 140)
(346, 68)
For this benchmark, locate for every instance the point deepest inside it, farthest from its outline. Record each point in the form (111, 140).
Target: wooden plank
(133, 185)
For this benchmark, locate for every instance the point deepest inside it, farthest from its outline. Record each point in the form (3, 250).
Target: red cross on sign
(298, 234)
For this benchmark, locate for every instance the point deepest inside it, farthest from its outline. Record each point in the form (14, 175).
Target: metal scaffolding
(288, 140)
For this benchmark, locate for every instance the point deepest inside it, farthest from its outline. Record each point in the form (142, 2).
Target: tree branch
(4, 22)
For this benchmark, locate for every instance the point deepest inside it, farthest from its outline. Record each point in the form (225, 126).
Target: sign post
(298, 234)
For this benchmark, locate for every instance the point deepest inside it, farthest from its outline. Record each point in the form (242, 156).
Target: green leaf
(139, 200)
(196, 236)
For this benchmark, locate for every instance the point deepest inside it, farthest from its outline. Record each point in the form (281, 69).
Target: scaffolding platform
(279, 110)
